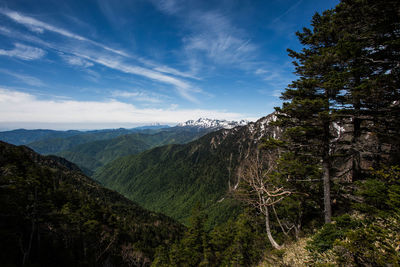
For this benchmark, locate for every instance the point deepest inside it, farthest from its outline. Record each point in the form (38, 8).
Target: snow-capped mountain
(214, 124)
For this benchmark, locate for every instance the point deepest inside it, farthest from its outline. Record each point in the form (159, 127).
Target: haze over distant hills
(25, 136)
(92, 149)
(173, 178)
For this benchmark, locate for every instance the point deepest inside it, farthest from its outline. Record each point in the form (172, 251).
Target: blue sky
(117, 63)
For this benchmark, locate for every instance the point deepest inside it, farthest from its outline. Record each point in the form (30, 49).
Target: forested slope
(54, 145)
(173, 178)
(92, 155)
(53, 215)
(23, 137)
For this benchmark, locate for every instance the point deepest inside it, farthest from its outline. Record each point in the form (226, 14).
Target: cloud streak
(21, 109)
(24, 52)
(76, 61)
(158, 73)
(290, 9)
(212, 38)
(183, 88)
(39, 26)
(218, 38)
(29, 80)
(140, 96)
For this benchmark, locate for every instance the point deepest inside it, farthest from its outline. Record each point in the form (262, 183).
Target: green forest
(329, 188)
(53, 215)
(319, 187)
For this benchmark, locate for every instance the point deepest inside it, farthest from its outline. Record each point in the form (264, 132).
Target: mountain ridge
(203, 171)
(92, 155)
(212, 123)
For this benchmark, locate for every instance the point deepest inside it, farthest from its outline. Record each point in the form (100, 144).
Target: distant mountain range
(172, 179)
(24, 137)
(167, 169)
(92, 149)
(92, 155)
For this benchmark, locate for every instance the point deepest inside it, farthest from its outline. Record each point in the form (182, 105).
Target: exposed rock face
(209, 168)
(203, 171)
(352, 155)
(355, 154)
(243, 142)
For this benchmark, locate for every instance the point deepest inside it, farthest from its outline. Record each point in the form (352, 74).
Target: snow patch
(338, 129)
(211, 123)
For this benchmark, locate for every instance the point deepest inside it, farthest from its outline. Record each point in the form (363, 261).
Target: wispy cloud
(165, 69)
(168, 6)
(21, 108)
(24, 52)
(275, 74)
(92, 75)
(74, 56)
(215, 36)
(212, 36)
(290, 9)
(40, 26)
(76, 61)
(276, 77)
(29, 80)
(140, 96)
(182, 87)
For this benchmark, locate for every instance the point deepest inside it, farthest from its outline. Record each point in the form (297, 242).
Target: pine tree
(368, 50)
(348, 69)
(311, 100)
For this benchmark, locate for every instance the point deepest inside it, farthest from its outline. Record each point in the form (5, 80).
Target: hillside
(53, 215)
(173, 178)
(23, 137)
(92, 155)
(48, 146)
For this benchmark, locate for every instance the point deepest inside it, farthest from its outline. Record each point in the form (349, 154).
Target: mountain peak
(212, 123)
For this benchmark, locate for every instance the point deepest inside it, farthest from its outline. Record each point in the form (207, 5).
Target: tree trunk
(268, 228)
(327, 191)
(326, 174)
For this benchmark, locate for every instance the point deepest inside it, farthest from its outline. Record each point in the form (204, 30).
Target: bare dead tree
(258, 190)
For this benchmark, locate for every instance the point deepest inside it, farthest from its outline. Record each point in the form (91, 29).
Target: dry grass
(294, 254)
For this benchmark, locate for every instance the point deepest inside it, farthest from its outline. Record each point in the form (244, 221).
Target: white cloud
(175, 72)
(212, 34)
(19, 108)
(140, 96)
(23, 52)
(73, 55)
(261, 71)
(168, 6)
(276, 78)
(76, 61)
(29, 80)
(39, 26)
(183, 88)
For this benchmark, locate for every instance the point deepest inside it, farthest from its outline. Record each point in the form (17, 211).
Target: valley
(303, 171)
